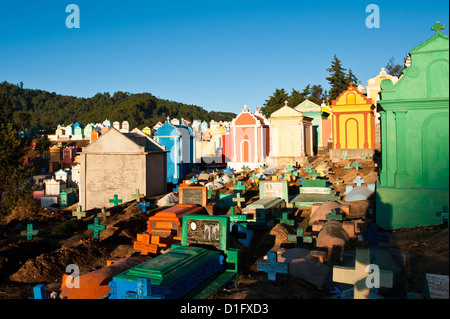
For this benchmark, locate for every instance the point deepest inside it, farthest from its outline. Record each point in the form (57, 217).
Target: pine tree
(393, 68)
(337, 79)
(274, 102)
(15, 179)
(318, 94)
(295, 98)
(351, 78)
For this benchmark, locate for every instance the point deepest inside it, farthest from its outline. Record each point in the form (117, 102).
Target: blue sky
(215, 54)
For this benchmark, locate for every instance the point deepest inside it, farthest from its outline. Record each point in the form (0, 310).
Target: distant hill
(47, 109)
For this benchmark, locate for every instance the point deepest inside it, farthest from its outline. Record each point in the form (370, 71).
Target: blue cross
(271, 266)
(39, 292)
(373, 237)
(193, 179)
(144, 206)
(228, 171)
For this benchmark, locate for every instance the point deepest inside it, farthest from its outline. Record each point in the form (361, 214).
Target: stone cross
(357, 275)
(358, 181)
(443, 214)
(239, 199)
(356, 165)
(300, 238)
(144, 206)
(78, 214)
(438, 27)
(97, 228)
(103, 214)
(373, 237)
(115, 201)
(138, 196)
(29, 232)
(272, 267)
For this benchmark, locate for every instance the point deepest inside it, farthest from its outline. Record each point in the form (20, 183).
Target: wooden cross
(239, 199)
(438, 27)
(345, 155)
(103, 214)
(239, 187)
(347, 166)
(272, 267)
(284, 220)
(443, 214)
(211, 192)
(193, 179)
(29, 232)
(333, 215)
(357, 275)
(143, 244)
(358, 181)
(373, 237)
(78, 214)
(233, 179)
(115, 201)
(356, 165)
(300, 238)
(144, 206)
(138, 196)
(97, 228)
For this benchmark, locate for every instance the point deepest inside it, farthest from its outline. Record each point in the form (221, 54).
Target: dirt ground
(23, 264)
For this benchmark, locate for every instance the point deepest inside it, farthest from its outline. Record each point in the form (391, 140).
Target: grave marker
(347, 166)
(357, 276)
(143, 206)
(284, 220)
(300, 238)
(143, 244)
(115, 201)
(239, 187)
(143, 290)
(137, 195)
(29, 232)
(97, 228)
(358, 181)
(239, 199)
(373, 237)
(39, 292)
(103, 214)
(334, 215)
(78, 214)
(345, 155)
(272, 267)
(356, 165)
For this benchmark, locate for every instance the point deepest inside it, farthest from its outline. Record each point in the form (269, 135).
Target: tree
(274, 102)
(22, 119)
(5, 108)
(351, 78)
(393, 68)
(318, 94)
(15, 179)
(337, 79)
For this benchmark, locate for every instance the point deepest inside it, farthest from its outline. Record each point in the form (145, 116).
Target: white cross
(358, 181)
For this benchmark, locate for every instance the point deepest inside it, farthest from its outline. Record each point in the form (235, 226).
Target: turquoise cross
(29, 232)
(97, 228)
(239, 187)
(284, 220)
(356, 165)
(115, 201)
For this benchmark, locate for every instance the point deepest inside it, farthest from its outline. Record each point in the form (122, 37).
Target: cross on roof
(137, 195)
(358, 181)
(437, 27)
(357, 276)
(29, 232)
(97, 228)
(79, 213)
(286, 103)
(115, 201)
(373, 237)
(271, 266)
(143, 206)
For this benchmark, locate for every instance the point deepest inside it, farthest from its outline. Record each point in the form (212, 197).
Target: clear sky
(217, 54)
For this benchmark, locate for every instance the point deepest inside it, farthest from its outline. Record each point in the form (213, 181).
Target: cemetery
(133, 214)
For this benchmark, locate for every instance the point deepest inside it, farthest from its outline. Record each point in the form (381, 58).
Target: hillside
(47, 109)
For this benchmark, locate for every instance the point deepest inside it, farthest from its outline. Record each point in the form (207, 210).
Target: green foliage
(50, 109)
(15, 178)
(393, 68)
(275, 102)
(69, 228)
(337, 79)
